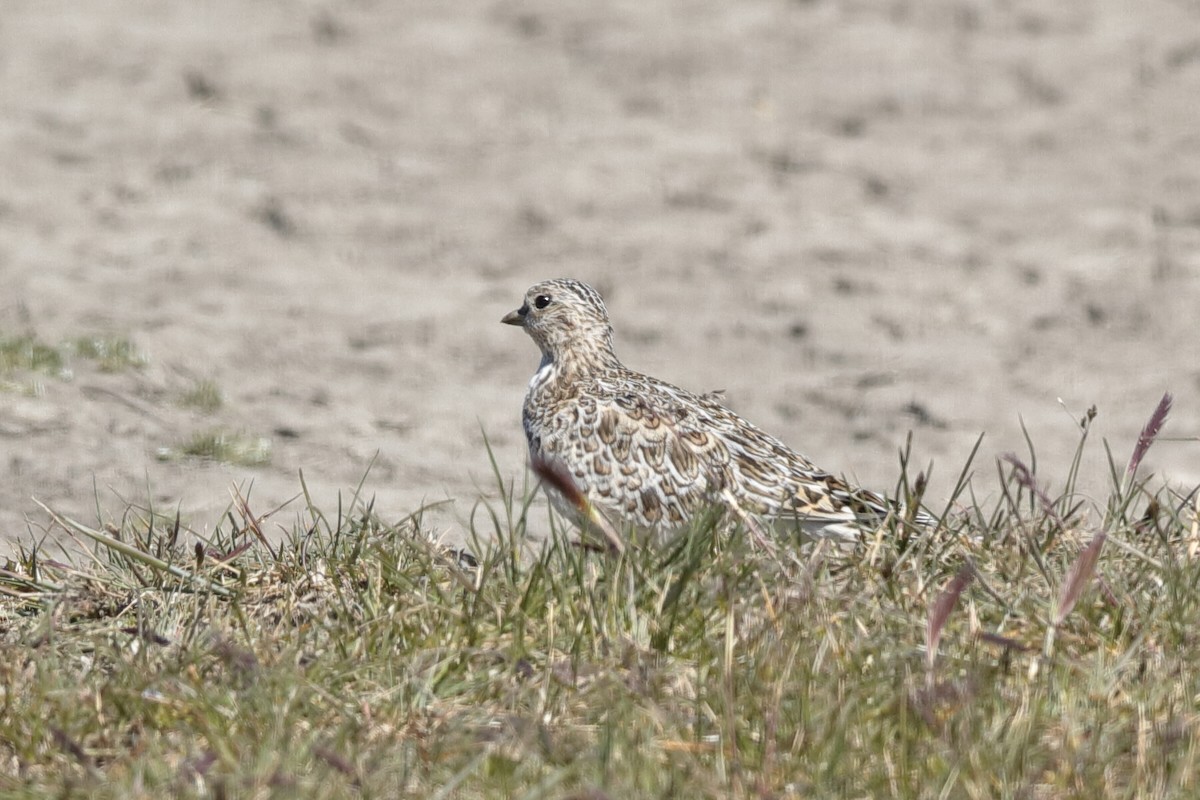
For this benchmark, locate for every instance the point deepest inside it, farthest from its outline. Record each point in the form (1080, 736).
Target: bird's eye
(542, 300)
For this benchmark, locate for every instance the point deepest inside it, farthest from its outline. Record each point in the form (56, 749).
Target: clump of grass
(111, 353)
(357, 657)
(204, 396)
(218, 445)
(25, 352)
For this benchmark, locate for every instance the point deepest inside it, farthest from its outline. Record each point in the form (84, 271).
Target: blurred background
(244, 238)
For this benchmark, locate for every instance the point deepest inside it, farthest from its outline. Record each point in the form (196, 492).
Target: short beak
(515, 317)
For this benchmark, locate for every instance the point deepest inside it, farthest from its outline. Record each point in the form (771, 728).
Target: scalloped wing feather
(651, 453)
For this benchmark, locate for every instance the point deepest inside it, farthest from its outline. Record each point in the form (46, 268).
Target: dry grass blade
(242, 504)
(941, 610)
(1079, 576)
(757, 535)
(146, 635)
(15, 584)
(1008, 643)
(334, 759)
(69, 745)
(132, 552)
(1194, 532)
(1149, 433)
(556, 475)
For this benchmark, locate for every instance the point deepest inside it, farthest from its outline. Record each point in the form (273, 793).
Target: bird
(642, 452)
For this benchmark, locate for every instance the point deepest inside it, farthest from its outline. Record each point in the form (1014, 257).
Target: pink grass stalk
(1078, 578)
(1153, 426)
(941, 610)
(556, 475)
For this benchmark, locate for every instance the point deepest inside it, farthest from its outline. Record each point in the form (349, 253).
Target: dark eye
(542, 300)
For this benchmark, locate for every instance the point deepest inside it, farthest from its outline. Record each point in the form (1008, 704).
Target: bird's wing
(656, 454)
(773, 480)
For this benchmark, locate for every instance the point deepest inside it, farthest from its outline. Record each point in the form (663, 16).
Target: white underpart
(542, 375)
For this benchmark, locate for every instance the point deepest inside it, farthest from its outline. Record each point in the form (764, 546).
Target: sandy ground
(856, 218)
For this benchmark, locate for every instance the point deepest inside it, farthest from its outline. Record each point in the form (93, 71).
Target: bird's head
(565, 318)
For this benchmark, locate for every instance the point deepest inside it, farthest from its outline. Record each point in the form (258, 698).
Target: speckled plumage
(645, 452)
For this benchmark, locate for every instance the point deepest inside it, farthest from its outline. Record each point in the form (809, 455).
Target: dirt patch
(856, 218)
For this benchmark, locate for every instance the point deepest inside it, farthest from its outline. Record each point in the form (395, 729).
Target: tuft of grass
(218, 445)
(361, 657)
(111, 353)
(204, 396)
(25, 352)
